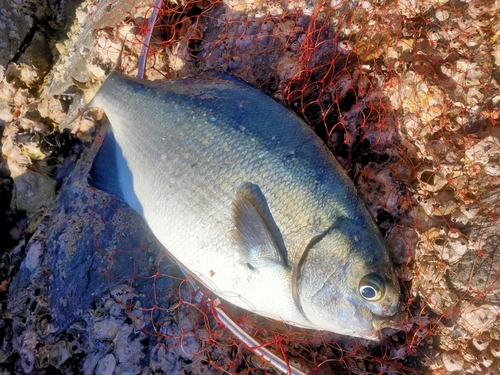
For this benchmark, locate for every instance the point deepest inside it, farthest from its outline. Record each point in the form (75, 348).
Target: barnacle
(405, 94)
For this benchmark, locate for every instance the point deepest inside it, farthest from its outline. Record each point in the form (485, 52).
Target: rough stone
(106, 366)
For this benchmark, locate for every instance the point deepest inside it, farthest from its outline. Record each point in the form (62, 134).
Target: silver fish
(246, 197)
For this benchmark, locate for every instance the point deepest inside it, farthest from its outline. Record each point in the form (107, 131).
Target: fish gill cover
(405, 94)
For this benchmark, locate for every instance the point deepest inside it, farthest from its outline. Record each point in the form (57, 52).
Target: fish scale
(199, 148)
(247, 198)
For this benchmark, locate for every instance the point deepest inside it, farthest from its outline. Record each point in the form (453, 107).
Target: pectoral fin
(256, 229)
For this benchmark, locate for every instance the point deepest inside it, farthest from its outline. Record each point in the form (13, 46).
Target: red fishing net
(406, 95)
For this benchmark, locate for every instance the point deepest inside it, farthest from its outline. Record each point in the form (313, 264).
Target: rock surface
(409, 96)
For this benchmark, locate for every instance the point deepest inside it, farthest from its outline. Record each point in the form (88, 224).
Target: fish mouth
(394, 321)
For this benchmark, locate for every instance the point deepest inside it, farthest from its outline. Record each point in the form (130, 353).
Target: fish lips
(395, 321)
(379, 323)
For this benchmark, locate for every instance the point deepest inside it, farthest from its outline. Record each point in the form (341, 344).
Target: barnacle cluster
(405, 93)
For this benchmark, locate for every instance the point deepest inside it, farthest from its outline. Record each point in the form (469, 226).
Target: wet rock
(115, 310)
(60, 353)
(161, 358)
(28, 360)
(33, 255)
(128, 347)
(61, 277)
(106, 366)
(15, 24)
(106, 330)
(90, 363)
(189, 347)
(31, 191)
(122, 293)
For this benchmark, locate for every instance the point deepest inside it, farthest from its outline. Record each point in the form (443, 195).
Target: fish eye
(372, 287)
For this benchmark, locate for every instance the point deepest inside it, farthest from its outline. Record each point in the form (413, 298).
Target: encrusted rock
(453, 362)
(480, 343)
(128, 349)
(106, 330)
(495, 350)
(106, 366)
(478, 319)
(60, 353)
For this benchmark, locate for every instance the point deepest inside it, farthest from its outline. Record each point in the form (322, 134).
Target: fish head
(346, 282)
